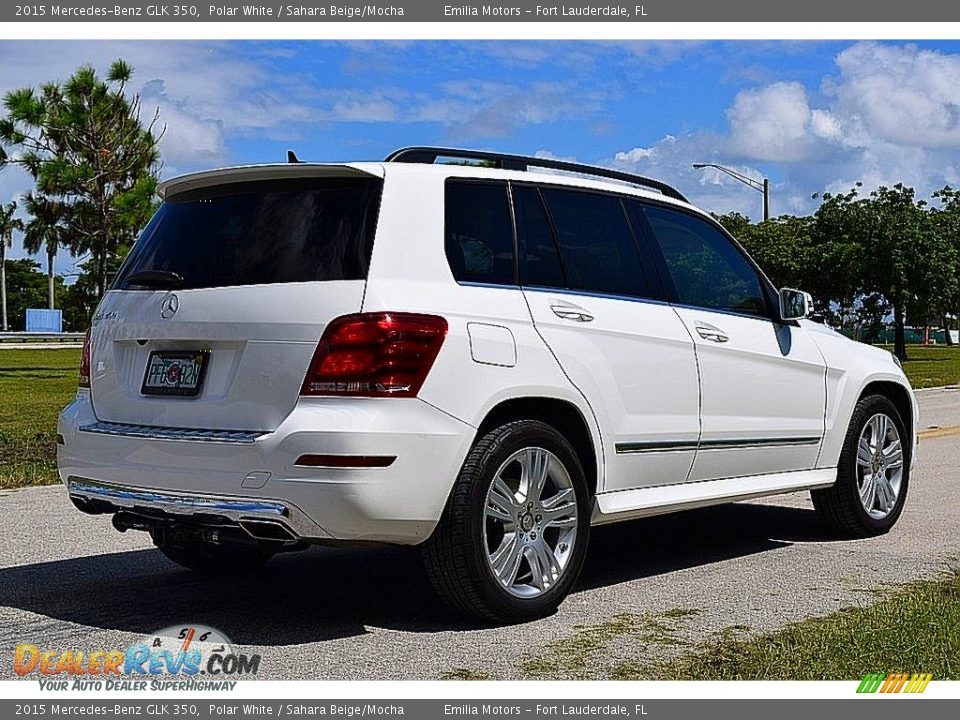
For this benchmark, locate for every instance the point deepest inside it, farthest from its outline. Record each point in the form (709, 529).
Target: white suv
(481, 360)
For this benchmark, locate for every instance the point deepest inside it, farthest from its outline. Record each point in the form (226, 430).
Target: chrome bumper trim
(190, 505)
(154, 432)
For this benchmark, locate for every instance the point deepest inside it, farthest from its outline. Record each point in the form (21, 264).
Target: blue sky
(812, 116)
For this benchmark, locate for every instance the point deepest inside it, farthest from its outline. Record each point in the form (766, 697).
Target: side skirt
(628, 504)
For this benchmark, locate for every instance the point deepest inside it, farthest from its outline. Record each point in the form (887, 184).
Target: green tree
(27, 288)
(783, 248)
(889, 242)
(79, 300)
(946, 220)
(87, 150)
(838, 248)
(8, 223)
(734, 223)
(45, 230)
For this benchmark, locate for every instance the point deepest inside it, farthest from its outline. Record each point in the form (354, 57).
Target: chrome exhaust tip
(268, 530)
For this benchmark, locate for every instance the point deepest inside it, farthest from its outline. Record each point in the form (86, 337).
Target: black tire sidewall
(513, 437)
(847, 470)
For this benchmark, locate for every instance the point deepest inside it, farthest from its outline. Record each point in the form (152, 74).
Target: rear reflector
(384, 354)
(346, 461)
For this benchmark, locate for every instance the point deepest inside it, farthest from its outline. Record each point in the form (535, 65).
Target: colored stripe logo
(894, 683)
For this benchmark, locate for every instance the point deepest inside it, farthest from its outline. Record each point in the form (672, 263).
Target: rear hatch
(215, 315)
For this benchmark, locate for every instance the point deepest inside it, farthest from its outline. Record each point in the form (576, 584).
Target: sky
(811, 116)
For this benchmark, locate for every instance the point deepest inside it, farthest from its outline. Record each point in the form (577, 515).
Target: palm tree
(8, 223)
(44, 230)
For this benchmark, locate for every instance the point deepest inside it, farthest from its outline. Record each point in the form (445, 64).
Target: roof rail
(506, 161)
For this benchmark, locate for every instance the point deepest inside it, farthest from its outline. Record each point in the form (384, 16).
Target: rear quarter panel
(409, 272)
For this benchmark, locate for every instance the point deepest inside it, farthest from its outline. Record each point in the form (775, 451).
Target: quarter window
(596, 245)
(479, 232)
(706, 268)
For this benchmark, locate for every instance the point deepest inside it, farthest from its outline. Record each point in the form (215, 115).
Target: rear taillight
(85, 362)
(386, 354)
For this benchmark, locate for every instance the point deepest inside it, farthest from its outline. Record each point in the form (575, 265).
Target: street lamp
(763, 186)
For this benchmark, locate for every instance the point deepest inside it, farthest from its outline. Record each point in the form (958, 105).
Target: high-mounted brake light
(385, 354)
(85, 361)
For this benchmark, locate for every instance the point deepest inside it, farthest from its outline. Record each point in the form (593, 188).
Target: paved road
(69, 580)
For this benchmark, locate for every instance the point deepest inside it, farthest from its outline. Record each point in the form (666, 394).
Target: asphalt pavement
(70, 581)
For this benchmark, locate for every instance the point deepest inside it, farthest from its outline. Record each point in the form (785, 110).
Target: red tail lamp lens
(85, 362)
(384, 354)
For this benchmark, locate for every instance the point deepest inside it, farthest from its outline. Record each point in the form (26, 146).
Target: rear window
(276, 231)
(596, 244)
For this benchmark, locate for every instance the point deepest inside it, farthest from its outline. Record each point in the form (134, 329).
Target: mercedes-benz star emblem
(169, 306)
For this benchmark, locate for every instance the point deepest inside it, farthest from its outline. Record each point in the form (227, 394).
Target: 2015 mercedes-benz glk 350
(484, 361)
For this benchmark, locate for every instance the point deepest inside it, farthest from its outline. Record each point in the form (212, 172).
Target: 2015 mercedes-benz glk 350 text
(482, 360)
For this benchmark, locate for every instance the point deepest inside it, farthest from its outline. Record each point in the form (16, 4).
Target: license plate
(175, 373)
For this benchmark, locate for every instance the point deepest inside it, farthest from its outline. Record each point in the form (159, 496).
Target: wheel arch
(560, 414)
(901, 398)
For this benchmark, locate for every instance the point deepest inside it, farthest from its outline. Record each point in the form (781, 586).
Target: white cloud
(671, 160)
(900, 93)
(825, 125)
(771, 123)
(890, 113)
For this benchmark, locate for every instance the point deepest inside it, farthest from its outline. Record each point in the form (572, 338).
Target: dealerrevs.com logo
(179, 657)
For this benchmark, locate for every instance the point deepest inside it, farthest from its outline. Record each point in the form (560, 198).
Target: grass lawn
(932, 365)
(915, 630)
(34, 386)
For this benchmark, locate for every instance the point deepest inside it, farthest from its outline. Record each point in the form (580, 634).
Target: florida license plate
(176, 373)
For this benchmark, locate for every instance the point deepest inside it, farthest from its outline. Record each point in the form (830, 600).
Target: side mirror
(795, 304)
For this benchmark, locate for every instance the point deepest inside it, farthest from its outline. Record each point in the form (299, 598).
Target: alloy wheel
(879, 466)
(530, 522)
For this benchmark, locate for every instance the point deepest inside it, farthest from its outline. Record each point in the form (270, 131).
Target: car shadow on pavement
(327, 593)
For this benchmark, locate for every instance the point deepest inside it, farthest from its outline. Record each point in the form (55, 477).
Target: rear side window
(596, 245)
(276, 231)
(479, 232)
(540, 260)
(707, 269)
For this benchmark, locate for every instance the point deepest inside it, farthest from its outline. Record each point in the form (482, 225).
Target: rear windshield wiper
(156, 278)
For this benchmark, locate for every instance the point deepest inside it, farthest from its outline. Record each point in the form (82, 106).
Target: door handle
(711, 333)
(571, 312)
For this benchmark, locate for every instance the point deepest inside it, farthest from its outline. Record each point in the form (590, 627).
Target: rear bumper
(255, 476)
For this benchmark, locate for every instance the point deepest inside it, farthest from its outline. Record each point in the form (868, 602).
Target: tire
(460, 555)
(841, 506)
(214, 559)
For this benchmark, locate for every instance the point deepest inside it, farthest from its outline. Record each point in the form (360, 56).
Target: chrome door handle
(569, 312)
(711, 333)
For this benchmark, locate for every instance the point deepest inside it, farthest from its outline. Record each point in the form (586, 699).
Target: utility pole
(761, 186)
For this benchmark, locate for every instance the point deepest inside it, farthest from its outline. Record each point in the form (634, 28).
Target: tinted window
(264, 232)
(540, 261)
(479, 232)
(596, 245)
(706, 268)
